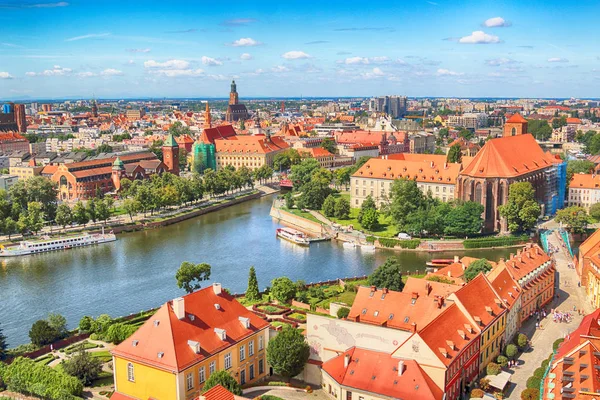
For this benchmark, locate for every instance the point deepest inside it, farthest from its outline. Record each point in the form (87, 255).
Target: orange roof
(480, 300)
(590, 245)
(362, 137)
(526, 261)
(377, 372)
(506, 287)
(449, 334)
(420, 171)
(317, 152)
(250, 144)
(166, 342)
(209, 135)
(49, 169)
(121, 396)
(516, 118)
(585, 181)
(185, 139)
(575, 121)
(218, 393)
(508, 157)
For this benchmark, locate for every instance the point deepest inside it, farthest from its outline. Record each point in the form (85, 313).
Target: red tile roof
(509, 157)
(250, 144)
(516, 119)
(480, 300)
(506, 287)
(209, 135)
(317, 152)
(375, 372)
(585, 181)
(574, 121)
(423, 171)
(162, 341)
(218, 393)
(526, 261)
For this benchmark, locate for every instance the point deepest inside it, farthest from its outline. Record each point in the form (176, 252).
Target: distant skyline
(441, 48)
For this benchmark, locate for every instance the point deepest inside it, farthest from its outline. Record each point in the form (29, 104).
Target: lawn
(275, 324)
(385, 229)
(45, 359)
(85, 345)
(104, 379)
(297, 315)
(302, 214)
(104, 356)
(268, 309)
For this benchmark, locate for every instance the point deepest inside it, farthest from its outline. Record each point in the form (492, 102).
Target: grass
(77, 346)
(297, 316)
(275, 324)
(269, 397)
(302, 214)
(45, 359)
(268, 309)
(385, 228)
(104, 379)
(104, 356)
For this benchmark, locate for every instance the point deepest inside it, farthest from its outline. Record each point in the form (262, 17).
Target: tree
(103, 210)
(104, 148)
(559, 122)
(406, 197)
(522, 340)
(119, 332)
(370, 219)
(302, 173)
(285, 159)
(343, 312)
(595, 211)
(388, 275)
(131, 206)
(183, 159)
(464, 219)
(493, 369)
(178, 129)
(522, 210)
(80, 214)
(477, 393)
(64, 215)
(58, 323)
(283, 289)
(288, 352)
(329, 145)
(329, 206)
(530, 394)
(85, 323)
(575, 218)
(252, 293)
(83, 367)
(222, 378)
(539, 128)
(41, 333)
(477, 266)
(3, 345)
(367, 204)
(511, 351)
(342, 208)
(454, 154)
(189, 275)
(35, 216)
(317, 189)
(10, 227)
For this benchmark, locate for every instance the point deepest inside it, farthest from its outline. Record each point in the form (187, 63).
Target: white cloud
(174, 73)
(147, 50)
(295, 55)
(500, 61)
(245, 42)
(447, 72)
(86, 74)
(557, 60)
(479, 37)
(495, 75)
(111, 72)
(373, 74)
(88, 36)
(57, 70)
(170, 64)
(246, 57)
(280, 68)
(496, 22)
(210, 61)
(356, 60)
(131, 62)
(219, 77)
(5, 75)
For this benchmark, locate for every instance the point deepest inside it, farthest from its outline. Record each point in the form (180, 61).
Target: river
(137, 272)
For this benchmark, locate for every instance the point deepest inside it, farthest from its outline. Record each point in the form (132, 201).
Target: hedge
(496, 241)
(370, 239)
(557, 344)
(539, 372)
(533, 382)
(405, 244)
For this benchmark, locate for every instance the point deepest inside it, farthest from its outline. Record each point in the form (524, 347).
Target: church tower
(94, 109)
(207, 119)
(118, 171)
(515, 125)
(171, 155)
(233, 95)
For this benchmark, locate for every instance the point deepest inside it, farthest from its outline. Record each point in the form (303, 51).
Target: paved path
(542, 339)
(290, 394)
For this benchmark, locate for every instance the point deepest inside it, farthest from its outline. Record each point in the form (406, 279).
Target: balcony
(567, 379)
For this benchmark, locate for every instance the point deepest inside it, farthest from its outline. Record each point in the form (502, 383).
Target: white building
(584, 190)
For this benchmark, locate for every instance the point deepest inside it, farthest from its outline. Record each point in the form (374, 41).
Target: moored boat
(349, 245)
(294, 236)
(46, 244)
(367, 247)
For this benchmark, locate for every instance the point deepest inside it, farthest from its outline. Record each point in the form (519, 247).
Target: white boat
(294, 236)
(367, 247)
(349, 245)
(45, 244)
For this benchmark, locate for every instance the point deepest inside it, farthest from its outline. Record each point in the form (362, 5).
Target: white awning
(499, 381)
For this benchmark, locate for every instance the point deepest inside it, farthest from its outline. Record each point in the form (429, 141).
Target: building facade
(235, 111)
(250, 151)
(584, 190)
(515, 125)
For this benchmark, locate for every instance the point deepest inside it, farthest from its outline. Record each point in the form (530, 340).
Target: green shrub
(493, 369)
(533, 382)
(276, 383)
(343, 312)
(477, 394)
(511, 351)
(118, 332)
(496, 241)
(522, 340)
(557, 343)
(370, 239)
(503, 361)
(539, 372)
(530, 394)
(404, 244)
(545, 364)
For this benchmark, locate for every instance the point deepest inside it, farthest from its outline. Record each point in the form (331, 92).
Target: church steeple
(233, 95)
(207, 119)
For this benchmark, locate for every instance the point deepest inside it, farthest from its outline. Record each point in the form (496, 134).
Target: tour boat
(294, 236)
(349, 245)
(45, 244)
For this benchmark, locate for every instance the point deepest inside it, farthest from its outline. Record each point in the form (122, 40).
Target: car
(404, 236)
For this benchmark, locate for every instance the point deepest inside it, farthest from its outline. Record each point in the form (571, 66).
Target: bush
(85, 324)
(283, 289)
(557, 343)
(493, 369)
(83, 366)
(224, 379)
(118, 332)
(500, 241)
(350, 287)
(522, 340)
(484, 384)
(545, 364)
(503, 361)
(276, 383)
(511, 351)
(533, 382)
(539, 372)
(302, 297)
(370, 239)
(329, 206)
(404, 244)
(288, 352)
(477, 394)
(41, 333)
(317, 292)
(343, 312)
(530, 394)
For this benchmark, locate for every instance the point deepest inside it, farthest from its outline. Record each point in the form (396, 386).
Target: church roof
(508, 157)
(118, 163)
(516, 119)
(170, 141)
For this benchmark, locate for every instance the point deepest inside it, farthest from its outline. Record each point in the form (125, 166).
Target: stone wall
(295, 221)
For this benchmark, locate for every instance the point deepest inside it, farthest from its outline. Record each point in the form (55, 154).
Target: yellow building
(26, 171)
(250, 151)
(187, 340)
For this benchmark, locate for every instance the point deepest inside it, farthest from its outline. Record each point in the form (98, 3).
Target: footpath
(570, 296)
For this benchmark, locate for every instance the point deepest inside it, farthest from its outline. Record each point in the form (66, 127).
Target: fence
(54, 346)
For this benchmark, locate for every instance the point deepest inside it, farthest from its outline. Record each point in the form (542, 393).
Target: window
(261, 367)
(243, 376)
(260, 343)
(130, 373)
(189, 379)
(251, 371)
(227, 360)
(242, 352)
(251, 348)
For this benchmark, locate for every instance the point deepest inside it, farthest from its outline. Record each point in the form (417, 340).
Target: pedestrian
(537, 325)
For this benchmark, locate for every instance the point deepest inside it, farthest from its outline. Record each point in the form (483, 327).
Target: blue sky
(491, 48)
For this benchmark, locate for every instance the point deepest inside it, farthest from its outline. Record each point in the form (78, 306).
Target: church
(235, 110)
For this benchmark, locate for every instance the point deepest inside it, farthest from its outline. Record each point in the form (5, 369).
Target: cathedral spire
(207, 119)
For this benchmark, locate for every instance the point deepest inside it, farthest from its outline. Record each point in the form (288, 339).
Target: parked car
(404, 236)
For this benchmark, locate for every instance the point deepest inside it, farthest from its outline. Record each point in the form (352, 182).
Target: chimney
(414, 327)
(456, 259)
(217, 288)
(512, 255)
(400, 367)
(346, 360)
(518, 252)
(179, 308)
(440, 302)
(450, 274)
(464, 267)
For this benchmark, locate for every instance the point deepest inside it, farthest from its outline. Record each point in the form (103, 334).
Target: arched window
(477, 193)
(63, 181)
(513, 132)
(130, 373)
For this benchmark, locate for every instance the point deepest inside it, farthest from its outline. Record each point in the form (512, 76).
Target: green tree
(539, 128)
(388, 275)
(131, 206)
(252, 293)
(342, 176)
(477, 266)
(329, 145)
(285, 159)
(575, 218)
(288, 352)
(283, 289)
(559, 122)
(464, 219)
(64, 215)
(103, 210)
(302, 173)
(522, 210)
(104, 148)
(119, 332)
(454, 154)
(342, 208)
(41, 333)
(189, 275)
(317, 189)
(329, 206)
(530, 394)
(522, 340)
(595, 211)
(343, 312)
(367, 204)
(9, 227)
(406, 197)
(370, 219)
(289, 200)
(83, 367)
(85, 323)
(35, 216)
(178, 129)
(80, 214)
(58, 323)
(511, 351)
(3, 346)
(224, 379)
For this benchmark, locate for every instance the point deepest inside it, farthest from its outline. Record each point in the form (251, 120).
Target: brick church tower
(515, 125)
(171, 155)
(233, 95)
(118, 171)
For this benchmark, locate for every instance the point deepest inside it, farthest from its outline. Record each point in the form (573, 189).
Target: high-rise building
(395, 106)
(46, 107)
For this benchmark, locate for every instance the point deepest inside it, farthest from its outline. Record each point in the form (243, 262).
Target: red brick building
(13, 141)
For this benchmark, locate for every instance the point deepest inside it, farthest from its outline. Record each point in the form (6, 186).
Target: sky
(442, 48)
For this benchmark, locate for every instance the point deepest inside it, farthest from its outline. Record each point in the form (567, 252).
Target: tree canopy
(454, 154)
(522, 210)
(477, 266)
(283, 289)
(224, 379)
(288, 352)
(189, 275)
(388, 275)
(575, 218)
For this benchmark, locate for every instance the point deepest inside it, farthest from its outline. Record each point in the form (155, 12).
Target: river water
(137, 272)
